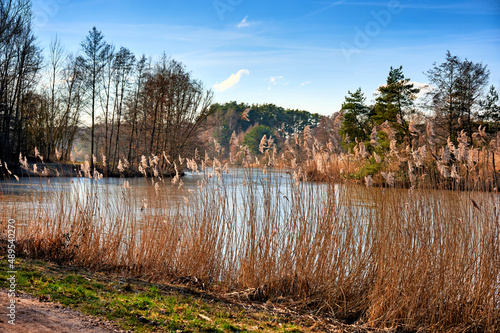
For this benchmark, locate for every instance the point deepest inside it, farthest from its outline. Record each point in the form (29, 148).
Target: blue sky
(296, 54)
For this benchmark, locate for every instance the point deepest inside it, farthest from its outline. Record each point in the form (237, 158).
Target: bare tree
(20, 61)
(460, 85)
(72, 97)
(93, 60)
(123, 64)
(177, 106)
(56, 53)
(445, 77)
(473, 79)
(106, 97)
(141, 70)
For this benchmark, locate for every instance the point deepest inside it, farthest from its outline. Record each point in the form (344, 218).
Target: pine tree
(395, 102)
(356, 122)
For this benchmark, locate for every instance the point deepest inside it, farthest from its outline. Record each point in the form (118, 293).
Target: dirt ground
(35, 316)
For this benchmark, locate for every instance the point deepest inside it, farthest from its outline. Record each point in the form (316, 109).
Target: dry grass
(394, 258)
(424, 162)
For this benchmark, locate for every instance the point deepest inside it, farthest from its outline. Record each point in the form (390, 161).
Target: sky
(296, 54)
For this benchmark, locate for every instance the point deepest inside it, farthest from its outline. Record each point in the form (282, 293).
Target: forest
(105, 98)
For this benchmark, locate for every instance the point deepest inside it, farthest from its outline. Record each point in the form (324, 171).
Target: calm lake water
(135, 193)
(110, 196)
(113, 189)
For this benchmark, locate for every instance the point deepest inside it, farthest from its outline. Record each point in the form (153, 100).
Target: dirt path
(33, 316)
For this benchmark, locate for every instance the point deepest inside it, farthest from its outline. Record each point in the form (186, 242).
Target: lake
(112, 195)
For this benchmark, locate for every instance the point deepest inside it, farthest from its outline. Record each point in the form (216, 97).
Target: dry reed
(413, 259)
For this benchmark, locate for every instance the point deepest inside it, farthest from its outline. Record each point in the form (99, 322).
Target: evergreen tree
(491, 109)
(395, 102)
(356, 122)
(254, 136)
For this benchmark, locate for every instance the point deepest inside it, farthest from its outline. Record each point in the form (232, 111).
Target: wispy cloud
(305, 83)
(328, 6)
(274, 79)
(244, 23)
(459, 7)
(454, 6)
(277, 80)
(231, 81)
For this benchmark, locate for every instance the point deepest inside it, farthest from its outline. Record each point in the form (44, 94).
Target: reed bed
(411, 259)
(423, 160)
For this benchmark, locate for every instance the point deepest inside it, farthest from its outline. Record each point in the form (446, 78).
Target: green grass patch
(138, 305)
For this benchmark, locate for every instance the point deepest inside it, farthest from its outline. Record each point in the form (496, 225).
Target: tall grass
(413, 259)
(424, 160)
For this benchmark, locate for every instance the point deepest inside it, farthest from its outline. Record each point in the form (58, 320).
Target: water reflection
(111, 195)
(135, 194)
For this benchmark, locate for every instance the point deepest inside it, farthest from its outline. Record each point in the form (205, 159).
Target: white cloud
(277, 81)
(244, 23)
(422, 86)
(424, 89)
(231, 80)
(274, 79)
(305, 83)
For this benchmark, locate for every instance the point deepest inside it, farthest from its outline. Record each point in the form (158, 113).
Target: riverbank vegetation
(417, 260)
(447, 138)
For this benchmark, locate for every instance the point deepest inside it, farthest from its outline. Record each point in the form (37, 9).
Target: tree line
(20, 64)
(133, 106)
(457, 100)
(249, 123)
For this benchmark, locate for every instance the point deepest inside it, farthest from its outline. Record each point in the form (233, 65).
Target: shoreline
(94, 301)
(71, 170)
